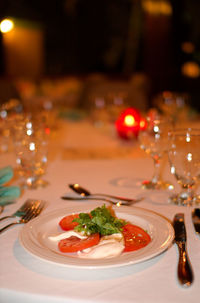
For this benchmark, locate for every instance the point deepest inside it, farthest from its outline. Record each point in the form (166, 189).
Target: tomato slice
(134, 237)
(66, 222)
(74, 244)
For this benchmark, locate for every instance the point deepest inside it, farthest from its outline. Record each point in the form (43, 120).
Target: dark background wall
(115, 37)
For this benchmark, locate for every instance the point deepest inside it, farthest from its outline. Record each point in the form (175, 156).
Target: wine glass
(173, 105)
(153, 140)
(8, 113)
(31, 146)
(184, 159)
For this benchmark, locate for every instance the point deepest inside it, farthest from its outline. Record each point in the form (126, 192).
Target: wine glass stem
(156, 175)
(187, 193)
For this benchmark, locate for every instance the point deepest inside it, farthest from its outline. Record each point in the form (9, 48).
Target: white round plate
(34, 237)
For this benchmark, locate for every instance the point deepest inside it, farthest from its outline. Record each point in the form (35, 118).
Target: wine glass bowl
(173, 105)
(31, 144)
(153, 140)
(184, 160)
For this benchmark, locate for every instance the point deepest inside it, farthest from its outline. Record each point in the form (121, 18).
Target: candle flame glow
(129, 120)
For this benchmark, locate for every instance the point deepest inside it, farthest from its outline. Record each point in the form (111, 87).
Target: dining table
(97, 158)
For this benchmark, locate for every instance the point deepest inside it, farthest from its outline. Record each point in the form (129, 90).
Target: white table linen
(26, 278)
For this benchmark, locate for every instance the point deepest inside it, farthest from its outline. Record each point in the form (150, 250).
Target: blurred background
(153, 45)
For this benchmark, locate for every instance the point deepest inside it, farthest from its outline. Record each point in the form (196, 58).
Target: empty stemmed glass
(31, 146)
(173, 105)
(153, 140)
(9, 111)
(184, 159)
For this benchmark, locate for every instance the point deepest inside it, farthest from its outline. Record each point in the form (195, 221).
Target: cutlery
(196, 219)
(32, 212)
(27, 204)
(120, 202)
(1, 208)
(84, 192)
(185, 274)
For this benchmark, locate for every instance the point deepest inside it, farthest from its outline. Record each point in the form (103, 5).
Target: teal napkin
(6, 174)
(8, 194)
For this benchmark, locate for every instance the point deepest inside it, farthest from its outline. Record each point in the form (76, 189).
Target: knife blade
(185, 273)
(196, 219)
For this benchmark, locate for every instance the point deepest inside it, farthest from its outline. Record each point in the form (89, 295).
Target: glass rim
(189, 129)
(184, 132)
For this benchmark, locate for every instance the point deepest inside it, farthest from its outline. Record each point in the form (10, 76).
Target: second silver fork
(33, 211)
(19, 212)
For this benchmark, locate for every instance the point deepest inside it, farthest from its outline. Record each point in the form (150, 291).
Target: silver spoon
(85, 193)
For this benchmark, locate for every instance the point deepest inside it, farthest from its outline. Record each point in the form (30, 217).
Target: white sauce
(66, 235)
(108, 247)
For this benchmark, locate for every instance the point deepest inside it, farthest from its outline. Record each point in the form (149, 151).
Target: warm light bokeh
(23, 49)
(163, 7)
(6, 25)
(187, 47)
(191, 69)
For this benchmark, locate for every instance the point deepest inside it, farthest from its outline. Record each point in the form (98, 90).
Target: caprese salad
(99, 234)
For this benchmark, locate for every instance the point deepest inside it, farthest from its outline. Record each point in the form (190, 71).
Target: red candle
(128, 123)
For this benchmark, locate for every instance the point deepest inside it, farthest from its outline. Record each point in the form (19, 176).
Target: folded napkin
(6, 173)
(8, 194)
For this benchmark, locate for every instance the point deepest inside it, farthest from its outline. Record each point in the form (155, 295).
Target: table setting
(86, 169)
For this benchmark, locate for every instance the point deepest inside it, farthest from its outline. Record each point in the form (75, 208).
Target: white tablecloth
(26, 278)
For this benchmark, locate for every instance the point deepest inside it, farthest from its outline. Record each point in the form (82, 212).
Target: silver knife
(185, 273)
(196, 219)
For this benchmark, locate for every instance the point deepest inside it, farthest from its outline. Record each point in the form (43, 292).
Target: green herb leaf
(100, 220)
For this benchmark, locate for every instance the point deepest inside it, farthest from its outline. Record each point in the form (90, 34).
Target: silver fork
(1, 208)
(27, 204)
(31, 213)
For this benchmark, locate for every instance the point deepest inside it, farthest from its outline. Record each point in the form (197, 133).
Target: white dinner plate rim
(33, 244)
